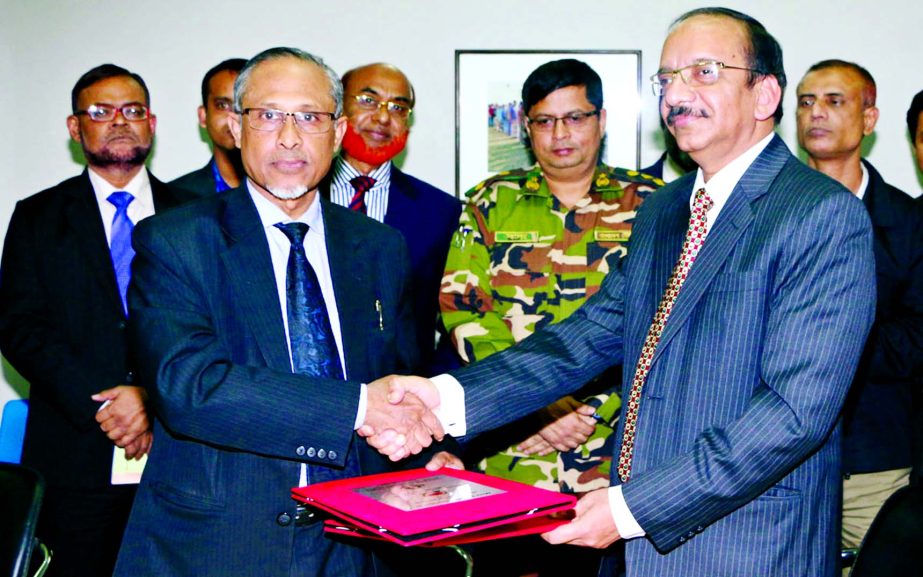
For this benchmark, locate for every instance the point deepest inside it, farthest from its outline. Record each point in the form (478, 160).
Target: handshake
(399, 417)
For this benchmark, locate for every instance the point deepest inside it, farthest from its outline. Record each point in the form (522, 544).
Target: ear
(869, 119)
(768, 96)
(202, 116)
(602, 121)
(234, 120)
(339, 128)
(152, 120)
(73, 127)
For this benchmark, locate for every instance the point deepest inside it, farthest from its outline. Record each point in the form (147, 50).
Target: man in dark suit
(836, 110)
(62, 320)
(258, 314)
(743, 305)
(223, 172)
(378, 103)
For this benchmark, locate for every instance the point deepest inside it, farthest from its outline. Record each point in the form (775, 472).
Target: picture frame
(486, 79)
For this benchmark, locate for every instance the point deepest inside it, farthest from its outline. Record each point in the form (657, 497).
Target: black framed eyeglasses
(309, 122)
(575, 120)
(132, 112)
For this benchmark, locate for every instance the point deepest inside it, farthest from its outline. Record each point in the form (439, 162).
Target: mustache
(683, 111)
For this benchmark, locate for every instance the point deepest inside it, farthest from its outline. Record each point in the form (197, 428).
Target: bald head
(354, 79)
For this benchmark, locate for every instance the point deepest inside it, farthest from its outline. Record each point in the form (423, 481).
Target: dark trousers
(83, 528)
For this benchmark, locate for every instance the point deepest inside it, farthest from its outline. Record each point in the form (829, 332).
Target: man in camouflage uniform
(531, 247)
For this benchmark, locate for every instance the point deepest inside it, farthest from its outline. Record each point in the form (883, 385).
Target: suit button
(284, 519)
(321, 454)
(300, 451)
(129, 378)
(332, 455)
(311, 452)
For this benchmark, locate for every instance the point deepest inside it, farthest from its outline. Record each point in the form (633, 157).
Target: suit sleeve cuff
(451, 409)
(625, 522)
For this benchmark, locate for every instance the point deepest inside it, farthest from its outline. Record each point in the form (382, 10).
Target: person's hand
(569, 424)
(397, 422)
(140, 446)
(593, 525)
(124, 418)
(445, 459)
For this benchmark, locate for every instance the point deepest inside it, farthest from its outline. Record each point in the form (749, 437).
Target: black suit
(878, 415)
(199, 182)
(62, 326)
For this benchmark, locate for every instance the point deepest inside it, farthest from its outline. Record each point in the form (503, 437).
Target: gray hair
(243, 79)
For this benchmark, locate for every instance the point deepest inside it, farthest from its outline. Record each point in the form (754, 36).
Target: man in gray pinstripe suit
(732, 465)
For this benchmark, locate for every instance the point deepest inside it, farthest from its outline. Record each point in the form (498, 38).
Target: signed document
(444, 507)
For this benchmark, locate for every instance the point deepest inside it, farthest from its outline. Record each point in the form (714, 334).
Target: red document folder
(444, 507)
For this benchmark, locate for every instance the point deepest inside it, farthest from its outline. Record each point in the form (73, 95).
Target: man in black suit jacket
(378, 103)
(836, 109)
(62, 323)
(223, 172)
(212, 316)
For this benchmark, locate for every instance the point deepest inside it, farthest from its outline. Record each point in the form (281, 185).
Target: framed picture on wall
(488, 123)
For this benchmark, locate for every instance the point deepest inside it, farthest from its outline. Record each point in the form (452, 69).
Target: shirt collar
(139, 187)
(270, 214)
(349, 172)
(864, 185)
(722, 184)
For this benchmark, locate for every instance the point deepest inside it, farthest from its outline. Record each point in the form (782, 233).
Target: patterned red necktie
(695, 237)
(362, 184)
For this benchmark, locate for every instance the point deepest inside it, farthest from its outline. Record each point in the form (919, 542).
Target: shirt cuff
(625, 522)
(451, 409)
(363, 405)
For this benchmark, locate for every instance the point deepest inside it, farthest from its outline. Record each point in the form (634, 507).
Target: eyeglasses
(372, 104)
(575, 120)
(107, 112)
(309, 122)
(704, 73)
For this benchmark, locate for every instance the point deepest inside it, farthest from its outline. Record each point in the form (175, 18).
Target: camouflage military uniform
(520, 261)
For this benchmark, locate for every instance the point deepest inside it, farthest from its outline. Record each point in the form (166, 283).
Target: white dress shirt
(140, 208)
(451, 393)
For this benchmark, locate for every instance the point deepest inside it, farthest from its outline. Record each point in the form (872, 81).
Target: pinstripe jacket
(737, 455)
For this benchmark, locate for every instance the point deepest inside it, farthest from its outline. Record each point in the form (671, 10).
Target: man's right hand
(399, 422)
(399, 419)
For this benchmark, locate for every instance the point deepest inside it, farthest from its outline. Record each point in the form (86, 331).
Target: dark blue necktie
(120, 242)
(314, 350)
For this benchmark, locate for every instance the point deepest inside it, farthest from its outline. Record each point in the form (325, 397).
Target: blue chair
(13, 430)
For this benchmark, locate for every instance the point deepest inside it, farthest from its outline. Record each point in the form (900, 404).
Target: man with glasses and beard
(64, 275)
(378, 103)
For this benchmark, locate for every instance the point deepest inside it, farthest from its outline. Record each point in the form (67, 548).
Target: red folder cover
(444, 507)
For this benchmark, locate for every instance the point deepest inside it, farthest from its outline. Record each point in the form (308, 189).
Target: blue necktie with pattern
(120, 242)
(314, 350)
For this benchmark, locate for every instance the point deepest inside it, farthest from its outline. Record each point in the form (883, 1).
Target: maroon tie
(362, 184)
(695, 237)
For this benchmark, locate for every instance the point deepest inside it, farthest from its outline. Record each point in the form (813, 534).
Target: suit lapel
(251, 277)
(350, 282)
(401, 211)
(732, 222)
(90, 236)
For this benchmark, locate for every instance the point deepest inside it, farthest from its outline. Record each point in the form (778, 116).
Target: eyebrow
(376, 93)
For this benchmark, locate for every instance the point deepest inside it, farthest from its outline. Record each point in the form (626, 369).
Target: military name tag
(516, 236)
(611, 235)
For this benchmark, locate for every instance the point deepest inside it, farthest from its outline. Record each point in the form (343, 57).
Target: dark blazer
(878, 426)
(200, 182)
(737, 451)
(427, 217)
(234, 423)
(62, 326)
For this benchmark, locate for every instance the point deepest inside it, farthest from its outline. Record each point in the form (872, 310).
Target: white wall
(46, 45)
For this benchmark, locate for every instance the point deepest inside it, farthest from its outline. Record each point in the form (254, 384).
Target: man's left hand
(592, 527)
(124, 419)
